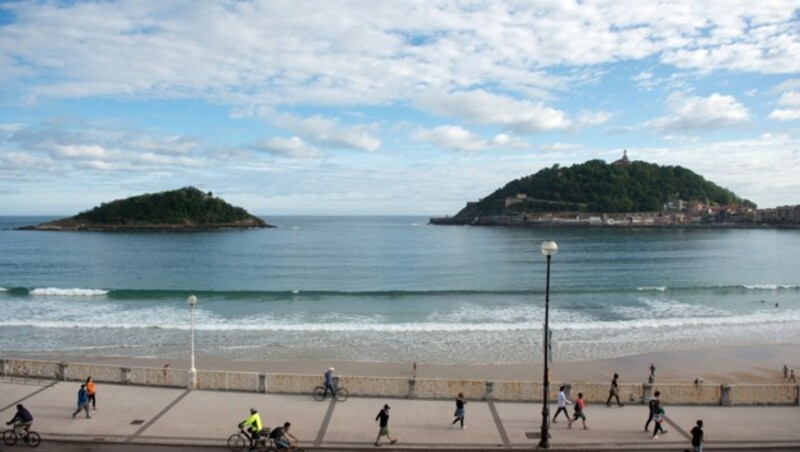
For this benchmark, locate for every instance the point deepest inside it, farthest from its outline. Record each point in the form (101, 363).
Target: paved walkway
(147, 415)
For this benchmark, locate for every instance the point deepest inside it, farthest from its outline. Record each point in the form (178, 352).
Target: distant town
(675, 213)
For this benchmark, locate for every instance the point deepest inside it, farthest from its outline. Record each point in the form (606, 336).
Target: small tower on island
(623, 162)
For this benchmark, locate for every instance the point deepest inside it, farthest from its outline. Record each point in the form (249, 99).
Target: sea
(395, 289)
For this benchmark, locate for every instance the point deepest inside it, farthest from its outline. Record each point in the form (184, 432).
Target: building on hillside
(623, 162)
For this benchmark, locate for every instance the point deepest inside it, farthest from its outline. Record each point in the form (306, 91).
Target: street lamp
(549, 249)
(192, 300)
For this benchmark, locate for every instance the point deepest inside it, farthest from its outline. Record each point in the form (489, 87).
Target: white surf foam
(771, 286)
(74, 292)
(652, 289)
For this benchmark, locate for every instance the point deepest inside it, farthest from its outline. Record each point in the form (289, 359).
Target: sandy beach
(759, 364)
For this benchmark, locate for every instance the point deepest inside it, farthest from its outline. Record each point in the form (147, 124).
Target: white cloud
(692, 112)
(460, 139)
(481, 107)
(328, 132)
(293, 147)
(790, 101)
(593, 118)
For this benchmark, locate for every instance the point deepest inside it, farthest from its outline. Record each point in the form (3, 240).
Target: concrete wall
(424, 388)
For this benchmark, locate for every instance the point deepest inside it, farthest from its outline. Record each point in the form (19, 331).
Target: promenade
(153, 415)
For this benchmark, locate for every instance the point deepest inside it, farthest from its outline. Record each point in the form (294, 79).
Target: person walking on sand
(652, 371)
(658, 417)
(383, 416)
(459, 414)
(613, 392)
(651, 404)
(785, 372)
(580, 406)
(562, 405)
(83, 402)
(697, 436)
(791, 376)
(91, 392)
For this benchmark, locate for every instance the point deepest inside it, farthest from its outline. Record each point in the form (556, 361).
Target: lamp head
(549, 248)
(192, 300)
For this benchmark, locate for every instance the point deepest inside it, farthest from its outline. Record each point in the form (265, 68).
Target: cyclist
(253, 426)
(24, 417)
(329, 381)
(283, 439)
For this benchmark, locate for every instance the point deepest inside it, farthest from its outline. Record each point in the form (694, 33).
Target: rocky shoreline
(73, 225)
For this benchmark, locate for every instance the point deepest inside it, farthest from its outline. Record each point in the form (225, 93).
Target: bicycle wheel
(341, 394)
(33, 439)
(264, 444)
(10, 437)
(319, 393)
(236, 442)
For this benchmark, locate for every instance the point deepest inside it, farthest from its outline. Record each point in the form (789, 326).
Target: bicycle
(238, 441)
(321, 394)
(17, 432)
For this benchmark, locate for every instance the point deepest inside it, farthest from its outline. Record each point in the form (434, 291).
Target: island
(623, 193)
(185, 209)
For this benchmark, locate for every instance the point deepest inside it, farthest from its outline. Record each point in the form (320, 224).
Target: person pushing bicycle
(329, 381)
(253, 426)
(24, 418)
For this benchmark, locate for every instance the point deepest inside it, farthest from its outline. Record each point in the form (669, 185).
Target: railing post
(62, 371)
(489, 390)
(262, 383)
(647, 392)
(125, 375)
(412, 388)
(725, 395)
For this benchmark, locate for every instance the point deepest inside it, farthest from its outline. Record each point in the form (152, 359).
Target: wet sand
(758, 364)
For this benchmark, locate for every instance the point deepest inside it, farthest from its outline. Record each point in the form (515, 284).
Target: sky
(386, 107)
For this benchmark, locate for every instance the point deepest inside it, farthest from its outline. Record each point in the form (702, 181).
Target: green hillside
(596, 186)
(183, 209)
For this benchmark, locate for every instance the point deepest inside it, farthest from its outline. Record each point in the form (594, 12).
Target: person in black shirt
(383, 415)
(652, 405)
(459, 414)
(614, 391)
(697, 436)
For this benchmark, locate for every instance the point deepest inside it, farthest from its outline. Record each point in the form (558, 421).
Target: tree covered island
(185, 209)
(622, 193)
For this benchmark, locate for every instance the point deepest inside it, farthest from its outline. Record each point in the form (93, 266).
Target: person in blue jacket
(83, 402)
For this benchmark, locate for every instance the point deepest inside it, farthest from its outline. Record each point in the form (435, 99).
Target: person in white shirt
(562, 404)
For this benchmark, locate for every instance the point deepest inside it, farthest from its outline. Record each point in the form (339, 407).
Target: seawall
(421, 388)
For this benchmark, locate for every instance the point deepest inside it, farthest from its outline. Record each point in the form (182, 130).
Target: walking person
(383, 416)
(658, 417)
(329, 382)
(580, 406)
(791, 376)
(652, 371)
(651, 404)
(697, 436)
(91, 392)
(459, 414)
(83, 402)
(613, 392)
(785, 372)
(562, 405)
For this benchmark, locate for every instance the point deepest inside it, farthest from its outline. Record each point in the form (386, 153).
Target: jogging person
(253, 427)
(562, 404)
(23, 417)
(580, 405)
(91, 392)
